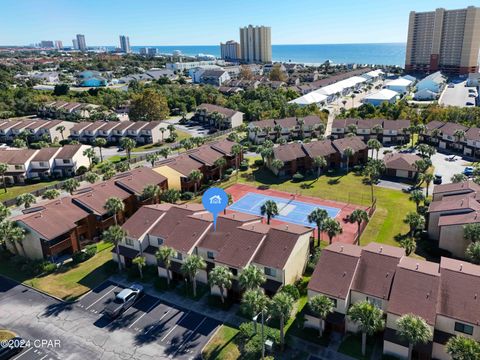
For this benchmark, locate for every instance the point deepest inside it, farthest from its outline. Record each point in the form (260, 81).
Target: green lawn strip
(222, 346)
(352, 346)
(14, 191)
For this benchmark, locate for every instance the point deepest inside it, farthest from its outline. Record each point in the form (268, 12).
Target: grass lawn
(222, 345)
(72, 280)
(352, 346)
(392, 205)
(14, 191)
(6, 335)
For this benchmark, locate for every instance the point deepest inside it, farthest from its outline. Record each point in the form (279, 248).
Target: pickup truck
(123, 300)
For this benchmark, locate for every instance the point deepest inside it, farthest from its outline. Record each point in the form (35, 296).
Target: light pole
(255, 318)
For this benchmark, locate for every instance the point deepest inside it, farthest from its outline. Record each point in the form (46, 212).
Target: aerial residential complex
(447, 40)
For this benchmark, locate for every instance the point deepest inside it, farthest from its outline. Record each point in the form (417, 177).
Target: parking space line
(173, 328)
(194, 331)
(96, 301)
(158, 322)
(23, 353)
(145, 313)
(44, 357)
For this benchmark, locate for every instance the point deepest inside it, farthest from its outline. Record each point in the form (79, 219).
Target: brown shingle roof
(68, 151)
(54, 218)
(141, 221)
(459, 290)
(396, 124)
(376, 270)
(473, 134)
(353, 142)
(224, 146)
(289, 152)
(335, 270)
(449, 203)
(400, 161)
(415, 289)
(435, 124)
(94, 197)
(135, 180)
(262, 124)
(206, 155)
(21, 156)
(46, 154)
(464, 186)
(80, 126)
(319, 148)
(210, 108)
(184, 164)
(459, 219)
(449, 128)
(138, 125)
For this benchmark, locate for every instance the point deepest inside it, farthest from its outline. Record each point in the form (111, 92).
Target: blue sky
(196, 22)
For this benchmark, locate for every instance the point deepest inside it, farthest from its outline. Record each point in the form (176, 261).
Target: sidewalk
(317, 351)
(200, 306)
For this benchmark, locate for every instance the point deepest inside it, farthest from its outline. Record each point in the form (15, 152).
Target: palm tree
(100, 143)
(70, 185)
(270, 209)
(458, 178)
(358, 216)
(277, 165)
(114, 205)
(417, 197)
(256, 130)
(61, 129)
(318, 216)
(427, 178)
(281, 308)
(4, 212)
(90, 154)
(91, 177)
(377, 129)
(128, 144)
(278, 131)
(115, 235)
(220, 163)
(352, 129)
(221, 276)
(353, 98)
(463, 348)
(162, 131)
(140, 262)
(236, 151)
(322, 305)
(333, 228)
(165, 255)
(11, 233)
(165, 151)
(459, 135)
(190, 268)
(374, 145)
(251, 278)
(472, 253)
(3, 170)
(51, 194)
(152, 158)
(409, 244)
(26, 200)
(319, 163)
(196, 176)
(254, 301)
(348, 153)
(414, 330)
(369, 319)
(151, 191)
(415, 221)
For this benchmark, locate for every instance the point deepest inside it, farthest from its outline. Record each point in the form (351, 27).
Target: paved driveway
(457, 95)
(150, 329)
(448, 165)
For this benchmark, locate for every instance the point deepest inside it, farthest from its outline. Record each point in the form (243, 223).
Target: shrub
(81, 170)
(258, 162)
(48, 267)
(292, 291)
(187, 195)
(301, 285)
(91, 250)
(244, 165)
(81, 256)
(297, 177)
(229, 171)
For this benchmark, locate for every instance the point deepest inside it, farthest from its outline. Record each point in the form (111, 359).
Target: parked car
(11, 348)
(123, 300)
(472, 95)
(468, 171)
(437, 179)
(470, 104)
(451, 85)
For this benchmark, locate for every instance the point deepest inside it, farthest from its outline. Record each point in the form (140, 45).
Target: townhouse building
(444, 295)
(281, 251)
(401, 165)
(18, 164)
(299, 157)
(218, 117)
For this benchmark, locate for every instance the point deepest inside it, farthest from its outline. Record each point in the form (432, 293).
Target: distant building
(125, 43)
(81, 44)
(47, 44)
(75, 44)
(256, 44)
(447, 40)
(58, 44)
(182, 66)
(230, 50)
(143, 51)
(378, 98)
(152, 51)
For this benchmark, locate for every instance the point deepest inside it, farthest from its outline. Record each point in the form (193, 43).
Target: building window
(66, 161)
(234, 271)
(129, 241)
(159, 241)
(464, 328)
(374, 301)
(18, 167)
(334, 302)
(210, 255)
(270, 272)
(42, 163)
(179, 256)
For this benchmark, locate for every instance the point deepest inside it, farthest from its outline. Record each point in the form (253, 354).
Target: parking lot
(150, 329)
(457, 94)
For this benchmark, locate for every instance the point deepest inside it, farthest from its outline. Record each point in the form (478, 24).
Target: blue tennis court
(289, 210)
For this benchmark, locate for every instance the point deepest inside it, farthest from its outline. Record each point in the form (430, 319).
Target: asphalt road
(150, 329)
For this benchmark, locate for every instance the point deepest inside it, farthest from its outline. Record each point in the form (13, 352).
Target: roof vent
(341, 248)
(344, 273)
(416, 266)
(381, 249)
(233, 216)
(475, 296)
(461, 267)
(286, 227)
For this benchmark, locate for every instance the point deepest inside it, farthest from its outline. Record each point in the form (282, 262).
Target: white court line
(153, 327)
(190, 336)
(23, 353)
(173, 328)
(145, 313)
(89, 306)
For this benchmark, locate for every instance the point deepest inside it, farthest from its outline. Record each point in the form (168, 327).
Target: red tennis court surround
(349, 234)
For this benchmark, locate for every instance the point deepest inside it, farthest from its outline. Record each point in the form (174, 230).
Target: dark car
(123, 300)
(11, 348)
(437, 179)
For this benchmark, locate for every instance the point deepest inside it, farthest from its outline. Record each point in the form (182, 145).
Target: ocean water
(380, 54)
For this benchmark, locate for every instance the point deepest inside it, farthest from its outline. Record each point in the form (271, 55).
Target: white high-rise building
(125, 43)
(230, 50)
(81, 44)
(75, 44)
(256, 44)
